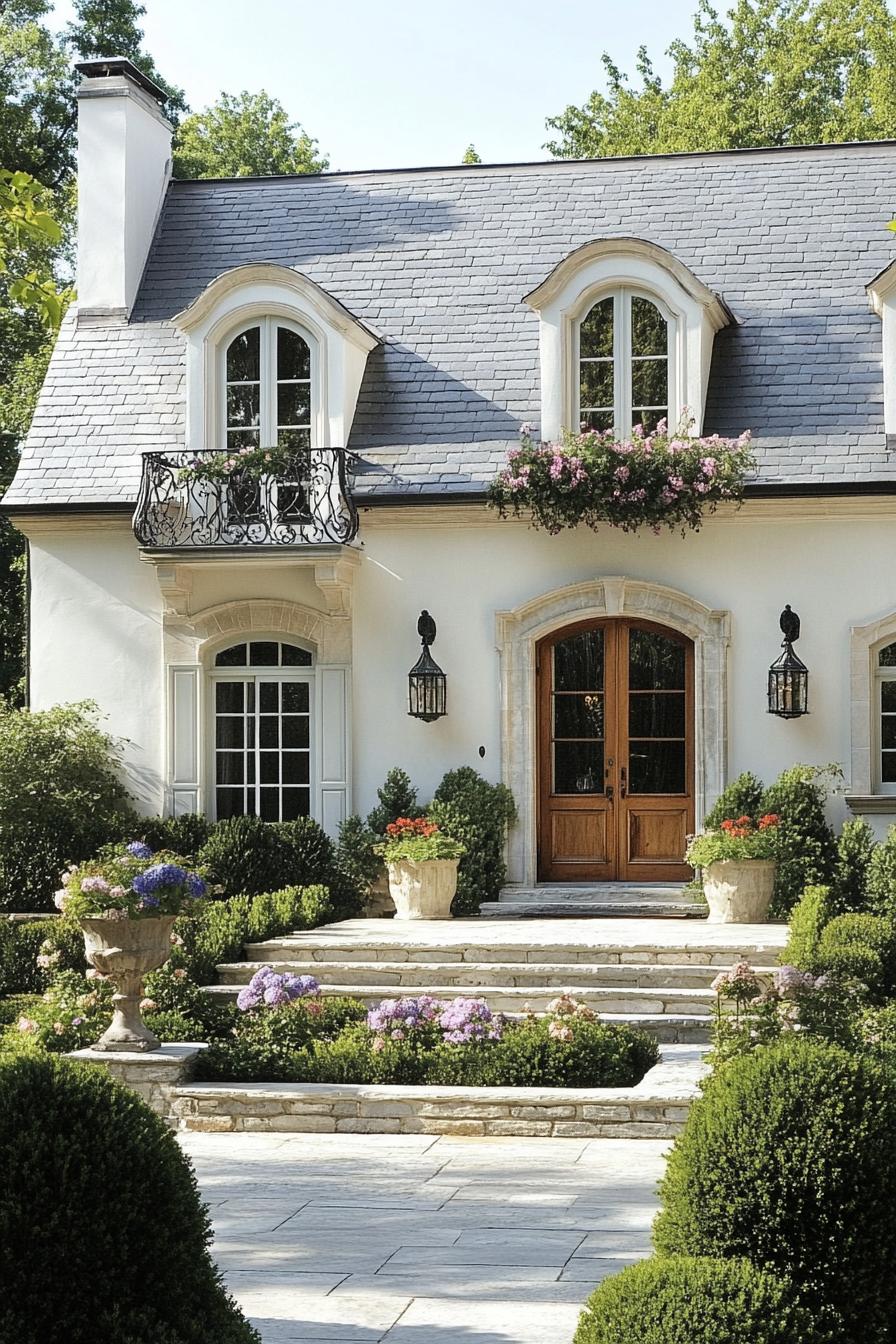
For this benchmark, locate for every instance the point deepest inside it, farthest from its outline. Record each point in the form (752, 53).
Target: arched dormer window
(268, 381)
(625, 348)
(240, 383)
(626, 338)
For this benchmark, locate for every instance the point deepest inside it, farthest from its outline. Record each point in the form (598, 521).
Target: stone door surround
(519, 630)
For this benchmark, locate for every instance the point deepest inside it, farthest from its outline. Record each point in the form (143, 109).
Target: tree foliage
(245, 135)
(777, 72)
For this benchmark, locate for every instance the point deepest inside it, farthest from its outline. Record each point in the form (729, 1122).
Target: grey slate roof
(438, 262)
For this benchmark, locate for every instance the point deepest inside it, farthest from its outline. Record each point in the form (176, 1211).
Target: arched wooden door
(615, 752)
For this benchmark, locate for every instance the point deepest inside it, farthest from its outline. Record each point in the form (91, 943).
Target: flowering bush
(245, 463)
(461, 1021)
(738, 839)
(417, 839)
(129, 882)
(787, 1003)
(662, 479)
(269, 989)
(71, 1014)
(565, 1011)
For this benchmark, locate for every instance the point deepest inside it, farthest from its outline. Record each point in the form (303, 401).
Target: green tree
(110, 28)
(778, 72)
(471, 155)
(249, 135)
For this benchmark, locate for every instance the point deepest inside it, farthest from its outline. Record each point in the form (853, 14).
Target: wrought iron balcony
(304, 501)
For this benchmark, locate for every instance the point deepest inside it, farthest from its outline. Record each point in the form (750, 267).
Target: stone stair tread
(539, 908)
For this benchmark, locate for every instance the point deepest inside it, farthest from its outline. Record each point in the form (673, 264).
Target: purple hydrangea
(394, 1017)
(268, 988)
(464, 1021)
(791, 982)
(148, 903)
(139, 849)
(159, 875)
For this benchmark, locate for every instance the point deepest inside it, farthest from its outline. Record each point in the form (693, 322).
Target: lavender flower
(791, 982)
(90, 884)
(268, 988)
(139, 850)
(464, 1021)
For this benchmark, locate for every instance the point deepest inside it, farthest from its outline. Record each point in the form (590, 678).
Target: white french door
(263, 738)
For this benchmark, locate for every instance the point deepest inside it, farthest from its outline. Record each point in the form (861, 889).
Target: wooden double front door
(615, 752)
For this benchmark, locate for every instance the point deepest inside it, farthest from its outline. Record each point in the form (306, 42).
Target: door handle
(622, 782)
(609, 793)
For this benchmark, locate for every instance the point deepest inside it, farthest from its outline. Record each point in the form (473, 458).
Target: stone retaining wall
(153, 1076)
(655, 1109)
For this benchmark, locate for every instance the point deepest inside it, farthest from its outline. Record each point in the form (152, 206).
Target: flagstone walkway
(410, 1239)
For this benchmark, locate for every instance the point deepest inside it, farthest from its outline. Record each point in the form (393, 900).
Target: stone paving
(411, 1239)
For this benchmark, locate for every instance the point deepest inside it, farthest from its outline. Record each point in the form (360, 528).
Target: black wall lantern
(788, 676)
(427, 689)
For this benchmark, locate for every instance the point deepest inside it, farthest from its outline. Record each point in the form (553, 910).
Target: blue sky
(403, 83)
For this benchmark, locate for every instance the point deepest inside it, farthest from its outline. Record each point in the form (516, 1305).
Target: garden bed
(655, 1108)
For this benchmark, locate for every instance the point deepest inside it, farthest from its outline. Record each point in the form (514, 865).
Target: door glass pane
(268, 697)
(295, 767)
(244, 357)
(235, 656)
(655, 662)
(295, 657)
(295, 697)
(229, 803)
(293, 355)
(888, 697)
(649, 330)
(888, 730)
(660, 715)
(887, 656)
(229, 697)
(269, 809)
(295, 730)
(229, 731)
(656, 767)
(296, 803)
(578, 767)
(578, 716)
(269, 731)
(888, 767)
(579, 662)
(269, 767)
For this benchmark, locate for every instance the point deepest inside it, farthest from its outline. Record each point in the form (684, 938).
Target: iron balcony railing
(304, 501)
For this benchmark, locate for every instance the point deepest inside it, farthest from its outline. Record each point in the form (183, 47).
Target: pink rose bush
(658, 479)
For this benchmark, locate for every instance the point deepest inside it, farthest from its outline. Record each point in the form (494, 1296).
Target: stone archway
(518, 632)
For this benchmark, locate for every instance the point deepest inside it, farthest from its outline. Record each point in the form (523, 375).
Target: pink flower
(378, 1045)
(708, 466)
(622, 473)
(180, 973)
(26, 1024)
(148, 1006)
(560, 1032)
(60, 898)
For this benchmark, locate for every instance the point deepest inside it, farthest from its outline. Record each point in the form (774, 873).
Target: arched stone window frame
(607, 266)
(517, 634)
(235, 300)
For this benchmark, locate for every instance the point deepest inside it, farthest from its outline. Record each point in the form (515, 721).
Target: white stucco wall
(97, 613)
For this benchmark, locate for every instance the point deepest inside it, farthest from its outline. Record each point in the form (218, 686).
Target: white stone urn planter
(739, 891)
(126, 950)
(424, 889)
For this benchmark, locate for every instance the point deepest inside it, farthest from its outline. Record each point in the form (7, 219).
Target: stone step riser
(538, 908)
(504, 998)
(406, 976)
(306, 949)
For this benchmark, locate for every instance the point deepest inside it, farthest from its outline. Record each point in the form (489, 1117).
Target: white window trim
(238, 299)
(622, 362)
(598, 269)
(865, 786)
(293, 675)
(881, 674)
(882, 299)
(268, 324)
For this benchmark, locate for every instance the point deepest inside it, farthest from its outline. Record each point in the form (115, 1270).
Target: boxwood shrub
(219, 930)
(96, 1187)
(20, 946)
(863, 947)
(697, 1300)
(789, 1159)
(477, 814)
(314, 1041)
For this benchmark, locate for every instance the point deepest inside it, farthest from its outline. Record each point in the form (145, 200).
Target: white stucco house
(391, 331)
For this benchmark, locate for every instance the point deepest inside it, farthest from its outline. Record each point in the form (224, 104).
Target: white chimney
(124, 165)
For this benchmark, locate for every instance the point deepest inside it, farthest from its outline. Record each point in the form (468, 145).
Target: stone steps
(318, 946)
(596, 900)
(407, 976)
(518, 999)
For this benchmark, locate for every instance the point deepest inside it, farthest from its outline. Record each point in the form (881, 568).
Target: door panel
(615, 743)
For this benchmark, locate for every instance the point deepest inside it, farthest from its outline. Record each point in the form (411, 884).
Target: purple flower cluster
(269, 989)
(791, 982)
(138, 850)
(464, 1021)
(394, 1018)
(164, 875)
(461, 1021)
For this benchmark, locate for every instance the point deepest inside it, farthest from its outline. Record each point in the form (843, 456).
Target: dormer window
(268, 388)
(626, 339)
(624, 357)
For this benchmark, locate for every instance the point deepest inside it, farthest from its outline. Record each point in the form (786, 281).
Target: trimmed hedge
(880, 884)
(102, 1232)
(697, 1300)
(789, 1159)
(855, 850)
(812, 912)
(862, 946)
(328, 1042)
(20, 945)
(219, 931)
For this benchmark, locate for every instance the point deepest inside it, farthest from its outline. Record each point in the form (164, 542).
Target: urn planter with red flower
(421, 861)
(126, 903)
(739, 862)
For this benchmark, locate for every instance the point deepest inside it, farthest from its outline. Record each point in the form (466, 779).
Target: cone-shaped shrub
(685, 1300)
(102, 1233)
(789, 1160)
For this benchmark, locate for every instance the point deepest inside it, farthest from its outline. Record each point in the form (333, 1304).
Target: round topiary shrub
(789, 1159)
(244, 856)
(684, 1300)
(851, 940)
(102, 1232)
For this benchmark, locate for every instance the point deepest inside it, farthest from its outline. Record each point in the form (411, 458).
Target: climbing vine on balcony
(661, 479)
